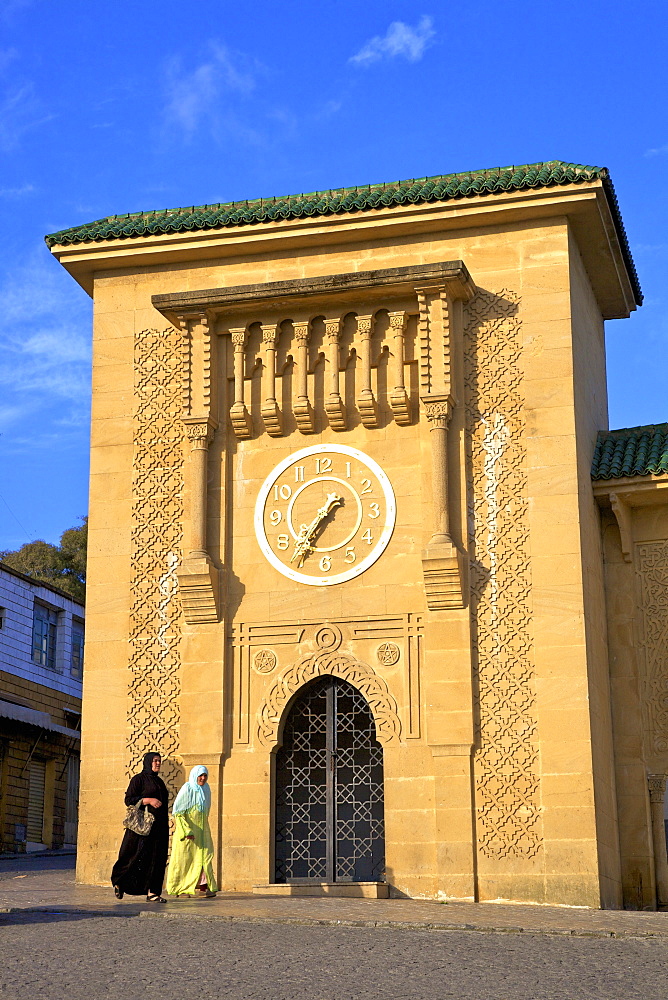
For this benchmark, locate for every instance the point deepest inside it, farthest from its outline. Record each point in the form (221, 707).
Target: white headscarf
(192, 795)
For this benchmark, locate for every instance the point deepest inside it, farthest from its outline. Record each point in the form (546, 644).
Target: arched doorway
(329, 817)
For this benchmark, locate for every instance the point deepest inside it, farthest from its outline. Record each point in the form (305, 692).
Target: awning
(31, 717)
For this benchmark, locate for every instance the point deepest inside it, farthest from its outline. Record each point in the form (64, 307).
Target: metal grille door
(329, 789)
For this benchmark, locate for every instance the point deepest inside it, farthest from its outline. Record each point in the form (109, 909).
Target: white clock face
(325, 514)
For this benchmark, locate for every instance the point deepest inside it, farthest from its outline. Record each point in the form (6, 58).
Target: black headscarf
(151, 783)
(147, 767)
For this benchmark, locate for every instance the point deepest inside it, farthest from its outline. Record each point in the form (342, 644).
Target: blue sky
(118, 106)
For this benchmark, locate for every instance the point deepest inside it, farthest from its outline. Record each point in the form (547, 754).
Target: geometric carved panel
(506, 764)
(157, 511)
(652, 566)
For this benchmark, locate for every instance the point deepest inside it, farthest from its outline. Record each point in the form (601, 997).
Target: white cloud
(658, 151)
(196, 95)
(399, 40)
(50, 363)
(44, 351)
(20, 111)
(16, 192)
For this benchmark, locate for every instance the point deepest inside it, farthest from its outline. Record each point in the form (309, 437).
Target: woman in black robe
(141, 860)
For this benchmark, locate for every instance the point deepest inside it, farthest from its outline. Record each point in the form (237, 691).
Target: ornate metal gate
(329, 789)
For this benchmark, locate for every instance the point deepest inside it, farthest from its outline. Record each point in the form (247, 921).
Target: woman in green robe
(190, 871)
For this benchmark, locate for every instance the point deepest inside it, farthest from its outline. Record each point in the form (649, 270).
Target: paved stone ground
(85, 957)
(41, 883)
(60, 941)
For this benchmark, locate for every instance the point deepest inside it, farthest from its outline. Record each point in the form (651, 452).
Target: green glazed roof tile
(632, 451)
(446, 187)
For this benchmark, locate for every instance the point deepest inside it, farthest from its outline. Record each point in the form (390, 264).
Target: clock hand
(307, 532)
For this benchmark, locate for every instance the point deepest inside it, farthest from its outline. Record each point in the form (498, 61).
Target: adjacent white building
(41, 670)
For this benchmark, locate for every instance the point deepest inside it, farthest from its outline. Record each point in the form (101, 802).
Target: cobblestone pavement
(86, 957)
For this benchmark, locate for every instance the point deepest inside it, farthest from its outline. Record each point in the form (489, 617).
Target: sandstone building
(346, 549)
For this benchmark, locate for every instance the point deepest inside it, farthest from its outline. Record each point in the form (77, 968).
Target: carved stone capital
(365, 326)
(239, 336)
(200, 431)
(438, 409)
(302, 331)
(398, 321)
(270, 332)
(657, 787)
(333, 330)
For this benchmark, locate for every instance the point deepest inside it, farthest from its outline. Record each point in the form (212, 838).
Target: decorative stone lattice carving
(506, 764)
(338, 664)
(157, 515)
(652, 565)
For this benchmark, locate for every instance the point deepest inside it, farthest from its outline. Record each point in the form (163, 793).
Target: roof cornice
(454, 202)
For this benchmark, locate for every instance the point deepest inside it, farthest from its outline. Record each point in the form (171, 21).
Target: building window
(3, 612)
(44, 626)
(76, 663)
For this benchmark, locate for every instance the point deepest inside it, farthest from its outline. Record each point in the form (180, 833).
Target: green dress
(190, 857)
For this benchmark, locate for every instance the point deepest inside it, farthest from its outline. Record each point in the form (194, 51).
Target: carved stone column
(239, 415)
(334, 407)
(440, 331)
(271, 415)
(198, 577)
(303, 410)
(442, 562)
(398, 396)
(657, 792)
(366, 403)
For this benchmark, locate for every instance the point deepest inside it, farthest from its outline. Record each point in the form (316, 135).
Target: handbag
(138, 820)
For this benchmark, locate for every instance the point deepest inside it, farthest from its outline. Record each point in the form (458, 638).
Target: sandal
(118, 892)
(155, 899)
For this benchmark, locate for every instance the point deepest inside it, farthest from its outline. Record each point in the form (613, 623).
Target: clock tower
(344, 546)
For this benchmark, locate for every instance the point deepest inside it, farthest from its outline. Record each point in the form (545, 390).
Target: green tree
(62, 565)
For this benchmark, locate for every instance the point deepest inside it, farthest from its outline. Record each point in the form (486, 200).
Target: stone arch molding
(347, 668)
